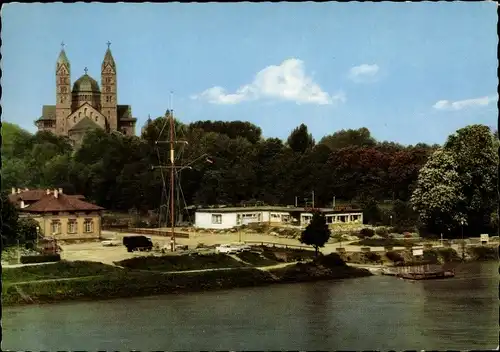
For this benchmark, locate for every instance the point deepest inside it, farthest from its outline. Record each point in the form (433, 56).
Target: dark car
(137, 243)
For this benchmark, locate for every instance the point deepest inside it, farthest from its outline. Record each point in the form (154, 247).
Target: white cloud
(363, 73)
(287, 81)
(463, 104)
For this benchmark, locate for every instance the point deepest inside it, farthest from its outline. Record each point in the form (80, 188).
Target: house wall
(229, 220)
(278, 217)
(203, 220)
(45, 222)
(349, 218)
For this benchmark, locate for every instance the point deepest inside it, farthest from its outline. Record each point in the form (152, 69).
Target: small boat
(427, 275)
(419, 272)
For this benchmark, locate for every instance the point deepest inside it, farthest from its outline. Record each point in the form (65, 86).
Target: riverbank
(70, 281)
(441, 255)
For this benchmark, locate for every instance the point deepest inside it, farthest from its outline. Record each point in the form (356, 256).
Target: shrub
(331, 260)
(30, 259)
(382, 231)
(371, 257)
(366, 232)
(394, 256)
(448, 254)
(181, 262)
(402, 229)
(380, 242)
(430, 256)
(483, 253)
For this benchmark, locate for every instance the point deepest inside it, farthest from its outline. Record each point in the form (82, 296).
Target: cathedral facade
(86, 106)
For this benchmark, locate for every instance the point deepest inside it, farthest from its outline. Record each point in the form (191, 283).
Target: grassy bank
(181, 262)
(382, 242)
(132, 284)
(90, 281)
(60, 270)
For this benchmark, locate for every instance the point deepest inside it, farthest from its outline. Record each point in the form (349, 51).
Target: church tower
(63, 92)
(108, 92)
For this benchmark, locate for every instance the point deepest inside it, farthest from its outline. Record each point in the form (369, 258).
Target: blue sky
(410, 72)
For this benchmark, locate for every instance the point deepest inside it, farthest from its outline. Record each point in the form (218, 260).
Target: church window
(61, 100)
(85, 111)
(107, 99)
(74, 118)
(79, 113)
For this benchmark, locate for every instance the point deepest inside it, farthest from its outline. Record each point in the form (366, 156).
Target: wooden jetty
(420, 272)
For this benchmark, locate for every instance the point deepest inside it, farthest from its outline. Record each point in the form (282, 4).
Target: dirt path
(51, 280)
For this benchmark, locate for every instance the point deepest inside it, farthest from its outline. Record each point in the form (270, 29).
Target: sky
(409, 72)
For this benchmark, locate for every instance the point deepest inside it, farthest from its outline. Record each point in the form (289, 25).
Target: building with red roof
(60, 215)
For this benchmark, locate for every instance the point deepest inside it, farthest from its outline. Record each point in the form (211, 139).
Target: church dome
(86, 84)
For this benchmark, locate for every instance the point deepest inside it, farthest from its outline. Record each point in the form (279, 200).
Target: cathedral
(86, 106)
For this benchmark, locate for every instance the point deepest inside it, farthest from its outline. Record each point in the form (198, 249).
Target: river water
(378, 313)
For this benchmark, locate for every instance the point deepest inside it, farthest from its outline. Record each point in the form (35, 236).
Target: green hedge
(181, 262)
(30, 259)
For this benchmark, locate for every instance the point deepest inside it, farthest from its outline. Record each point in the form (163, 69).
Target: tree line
(391, 182)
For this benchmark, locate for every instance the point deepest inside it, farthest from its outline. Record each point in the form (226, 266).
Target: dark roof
(84, 124)
(277, 209)
(124, 112)
(48, 112)
(34, 195)
(63, 202)
(86, 84)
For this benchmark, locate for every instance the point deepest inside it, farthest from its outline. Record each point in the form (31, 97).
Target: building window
(216, 219)
(96, 118)
(74, 118)
(107, 99)
(72, 226)
(88, 226)
(55, 226)
(85, 111)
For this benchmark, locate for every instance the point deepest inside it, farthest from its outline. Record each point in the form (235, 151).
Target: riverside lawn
(142, 276)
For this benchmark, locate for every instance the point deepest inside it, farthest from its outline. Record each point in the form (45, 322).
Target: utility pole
(296, 202)
(333, 203)
(313, 199)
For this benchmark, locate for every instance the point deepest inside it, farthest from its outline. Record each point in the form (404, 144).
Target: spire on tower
(62, 59)
(108, 57)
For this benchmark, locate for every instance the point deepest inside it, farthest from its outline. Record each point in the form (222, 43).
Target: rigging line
(184, 200)
(161, 131)
(163, 181)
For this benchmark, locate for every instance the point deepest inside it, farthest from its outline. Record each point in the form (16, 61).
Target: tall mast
(172, 177)
(169, 117)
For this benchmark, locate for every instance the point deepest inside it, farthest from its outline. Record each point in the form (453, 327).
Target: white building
(226, 218)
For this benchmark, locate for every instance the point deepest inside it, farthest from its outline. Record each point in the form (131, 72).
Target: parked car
(242, 246)
(110, 243)
(228, 249)
(137, 243)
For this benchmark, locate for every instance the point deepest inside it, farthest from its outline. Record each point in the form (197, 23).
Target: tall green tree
(458, 184)
(300, 140)
(317, 233)
(349, 138)
(8, 221)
